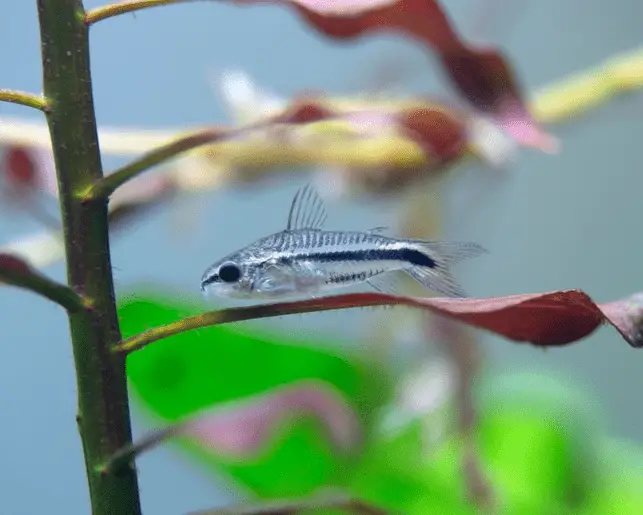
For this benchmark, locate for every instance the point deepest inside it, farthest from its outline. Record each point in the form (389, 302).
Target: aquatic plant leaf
(244, 428)
(200, 370)
(539, 436)
(25, 168)
(441, 134)
(626, 315)
(537, 446)
(27, 178)
(619, 490)
(12, 267)
(482, 75)
(543, 319)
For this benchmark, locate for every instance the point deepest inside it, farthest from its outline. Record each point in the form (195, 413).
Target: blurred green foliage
(182, 374)
(541, 443)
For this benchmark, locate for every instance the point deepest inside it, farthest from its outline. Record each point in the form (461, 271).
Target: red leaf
(482, 75)
(305, 111)
(20, 167)
(543, 319)
(27, 169)
(12, 266)
(441, 135)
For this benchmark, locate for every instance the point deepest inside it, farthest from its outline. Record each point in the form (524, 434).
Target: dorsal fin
(306, 210)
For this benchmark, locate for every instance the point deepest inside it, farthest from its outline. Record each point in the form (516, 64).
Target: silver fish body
(305, 260)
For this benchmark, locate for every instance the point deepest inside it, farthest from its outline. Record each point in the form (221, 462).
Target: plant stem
(109, 11)
(25, 99)
(17, 273)
(107, 185)
(226, 316)
(103, 411)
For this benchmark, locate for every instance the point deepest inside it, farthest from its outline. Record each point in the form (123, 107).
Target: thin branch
(422, 219)
(109, 11)
(291, 507)
(16, 272)
(464, 350)
(295, 113)
(126, 455)
(25, 99)
(225, 316)
(107, 185)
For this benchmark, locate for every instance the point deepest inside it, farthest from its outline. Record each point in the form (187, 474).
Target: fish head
(231, 276)
(258, 276)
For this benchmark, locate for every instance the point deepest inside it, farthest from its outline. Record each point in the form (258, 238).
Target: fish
(307, 260)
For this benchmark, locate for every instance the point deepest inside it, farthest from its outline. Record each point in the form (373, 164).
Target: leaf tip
(626, 315)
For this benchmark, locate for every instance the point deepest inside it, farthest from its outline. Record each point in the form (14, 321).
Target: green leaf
(179, 375)
(538, 444)
(539, 438)
(399, 474)
(620, 489)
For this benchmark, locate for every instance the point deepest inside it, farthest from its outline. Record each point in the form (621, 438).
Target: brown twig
(461, 345)
(17, 273)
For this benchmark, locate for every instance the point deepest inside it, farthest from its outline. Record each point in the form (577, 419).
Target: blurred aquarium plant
(294, 424)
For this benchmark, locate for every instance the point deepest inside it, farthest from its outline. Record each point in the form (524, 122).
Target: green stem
(107, 185)
(226, 316)
(109, 11)
(103, 410)
(25, 99)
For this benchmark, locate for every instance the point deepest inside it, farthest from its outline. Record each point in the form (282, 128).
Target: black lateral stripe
(412, 256)
(341, 278)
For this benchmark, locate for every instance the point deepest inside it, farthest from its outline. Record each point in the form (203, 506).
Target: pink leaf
(243, 428)
(482, 75)
(626, 315)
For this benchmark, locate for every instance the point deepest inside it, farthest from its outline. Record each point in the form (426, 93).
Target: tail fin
(439, 277)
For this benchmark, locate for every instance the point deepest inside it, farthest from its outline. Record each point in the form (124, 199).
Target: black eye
(229, 273)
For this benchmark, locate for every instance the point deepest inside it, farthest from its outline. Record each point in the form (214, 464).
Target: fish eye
(229, 273)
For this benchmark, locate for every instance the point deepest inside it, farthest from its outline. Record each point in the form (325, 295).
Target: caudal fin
(444, 254)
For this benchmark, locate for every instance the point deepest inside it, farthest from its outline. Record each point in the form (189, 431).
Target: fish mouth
(207, 280)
